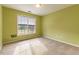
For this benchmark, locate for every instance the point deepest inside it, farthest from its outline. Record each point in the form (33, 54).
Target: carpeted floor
(39, 46)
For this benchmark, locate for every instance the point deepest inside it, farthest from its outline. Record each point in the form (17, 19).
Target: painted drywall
(10, 25)
(63, 25)
(0, 27)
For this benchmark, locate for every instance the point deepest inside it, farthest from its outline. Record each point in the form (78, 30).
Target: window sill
(27, 34)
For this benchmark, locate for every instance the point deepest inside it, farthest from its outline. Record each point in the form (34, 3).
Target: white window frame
(27, 25)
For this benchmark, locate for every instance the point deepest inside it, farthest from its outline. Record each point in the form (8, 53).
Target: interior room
(39, 29)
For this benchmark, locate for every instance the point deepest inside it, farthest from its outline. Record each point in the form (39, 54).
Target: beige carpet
(39, 46)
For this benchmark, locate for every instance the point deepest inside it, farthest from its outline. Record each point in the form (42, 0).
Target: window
(26, 25)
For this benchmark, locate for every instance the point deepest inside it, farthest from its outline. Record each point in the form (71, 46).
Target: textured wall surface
(63, 25)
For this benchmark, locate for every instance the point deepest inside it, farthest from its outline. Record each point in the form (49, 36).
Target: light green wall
(10, 25)
(0, 27)
(63, 25)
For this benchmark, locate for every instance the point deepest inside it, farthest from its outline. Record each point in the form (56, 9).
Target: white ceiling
(43, 10)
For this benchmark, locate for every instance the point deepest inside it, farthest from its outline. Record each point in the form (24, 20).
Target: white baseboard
(75, 45)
